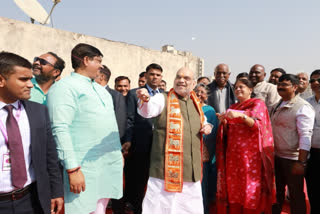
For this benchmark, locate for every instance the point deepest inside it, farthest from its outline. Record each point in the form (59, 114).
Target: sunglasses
(42, 61)
(313, 80)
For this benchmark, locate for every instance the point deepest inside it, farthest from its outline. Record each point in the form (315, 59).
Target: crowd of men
(70, 142)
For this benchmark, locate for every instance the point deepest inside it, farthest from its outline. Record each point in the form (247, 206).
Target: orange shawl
(174, 142)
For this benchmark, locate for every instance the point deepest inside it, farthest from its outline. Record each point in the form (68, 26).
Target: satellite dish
(35, 11)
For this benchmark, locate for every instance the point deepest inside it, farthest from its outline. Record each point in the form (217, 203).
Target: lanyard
(3, 127)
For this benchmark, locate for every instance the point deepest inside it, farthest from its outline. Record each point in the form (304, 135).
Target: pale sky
(240, 33)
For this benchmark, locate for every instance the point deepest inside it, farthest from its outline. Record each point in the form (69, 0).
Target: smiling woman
(245, 168)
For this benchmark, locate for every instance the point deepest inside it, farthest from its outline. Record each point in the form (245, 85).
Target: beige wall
(29, 40)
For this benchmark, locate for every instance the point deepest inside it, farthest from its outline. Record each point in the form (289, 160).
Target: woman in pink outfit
(245, 158)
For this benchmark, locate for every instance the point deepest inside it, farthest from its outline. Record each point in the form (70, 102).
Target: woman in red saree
(245, 158)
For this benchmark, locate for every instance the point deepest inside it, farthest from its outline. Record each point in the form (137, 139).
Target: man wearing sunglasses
(46, 68)
(312, 175)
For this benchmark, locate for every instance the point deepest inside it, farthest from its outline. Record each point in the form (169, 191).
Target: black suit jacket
(120, 109)
(139, 129)
(213, 99)
(44, 158)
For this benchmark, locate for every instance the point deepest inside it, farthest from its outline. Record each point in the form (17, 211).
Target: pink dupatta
(256, 109)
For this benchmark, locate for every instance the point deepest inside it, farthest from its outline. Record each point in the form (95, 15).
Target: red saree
(245, 161)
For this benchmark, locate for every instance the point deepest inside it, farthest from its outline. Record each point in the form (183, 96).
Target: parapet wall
(30, 40)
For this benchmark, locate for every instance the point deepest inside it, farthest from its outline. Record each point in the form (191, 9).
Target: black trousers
(295, 185)
(29, 204)
(136, 175)
(313, 180)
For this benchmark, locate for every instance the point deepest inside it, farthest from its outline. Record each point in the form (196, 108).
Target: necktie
(154, 92)
(18, 167)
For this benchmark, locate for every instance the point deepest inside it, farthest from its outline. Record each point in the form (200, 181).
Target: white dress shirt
(304, 120)
(222, 96)
(268, 93)
(23, 122)
(315, 141)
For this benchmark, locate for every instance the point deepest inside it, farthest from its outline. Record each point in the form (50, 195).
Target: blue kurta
(85, 129)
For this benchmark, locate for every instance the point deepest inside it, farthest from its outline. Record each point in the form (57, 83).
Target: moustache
(36, 67)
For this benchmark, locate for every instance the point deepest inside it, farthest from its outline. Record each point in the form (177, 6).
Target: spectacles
(42, 61)
(313, 80)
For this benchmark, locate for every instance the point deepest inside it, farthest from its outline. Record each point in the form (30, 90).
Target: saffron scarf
(262, 121)
(173, 173)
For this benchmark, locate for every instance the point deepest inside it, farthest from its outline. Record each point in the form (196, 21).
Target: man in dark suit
(138, 139)
(221, 91)
(120, 109)
(30, 179)
(119, 103)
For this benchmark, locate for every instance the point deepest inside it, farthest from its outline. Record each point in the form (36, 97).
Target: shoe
(128, 208)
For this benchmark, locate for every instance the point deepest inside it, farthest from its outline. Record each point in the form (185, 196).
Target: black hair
(201, 78)
(290, 77)
(164, 82)
(242, 75)
(154, 66)
(106, 71)
(142, 74)
(281, 70)
(315, 72)
(119, 78)
(9, 60)
(60, 64)
(82, 50)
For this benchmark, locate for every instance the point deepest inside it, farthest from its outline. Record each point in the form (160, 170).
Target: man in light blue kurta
(86, 133)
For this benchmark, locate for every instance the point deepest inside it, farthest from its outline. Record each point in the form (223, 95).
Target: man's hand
(56, 205)
(298, 169)
(125, 148)
(77, 182)
(143, 94)
(206, 129)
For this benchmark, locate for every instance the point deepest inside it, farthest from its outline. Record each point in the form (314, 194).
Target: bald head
(222, 66)
(184, 82)
(221, 74)
(257, 74)
(303, 81)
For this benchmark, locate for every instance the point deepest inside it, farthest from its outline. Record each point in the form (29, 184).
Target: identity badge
(6, 162)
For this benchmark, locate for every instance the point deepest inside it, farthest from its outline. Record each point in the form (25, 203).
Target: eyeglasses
(42, 61)
(313, 80)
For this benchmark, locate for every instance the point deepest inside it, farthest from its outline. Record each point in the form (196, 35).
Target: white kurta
(159, 201)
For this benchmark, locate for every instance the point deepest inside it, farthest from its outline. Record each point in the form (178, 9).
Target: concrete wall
(30, 40)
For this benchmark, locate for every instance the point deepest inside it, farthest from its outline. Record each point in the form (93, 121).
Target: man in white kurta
(159, 197)
(87, 137)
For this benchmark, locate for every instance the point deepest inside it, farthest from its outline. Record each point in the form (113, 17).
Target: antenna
(35, 11)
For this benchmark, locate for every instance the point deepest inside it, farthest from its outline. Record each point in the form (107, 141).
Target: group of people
(76, 144)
